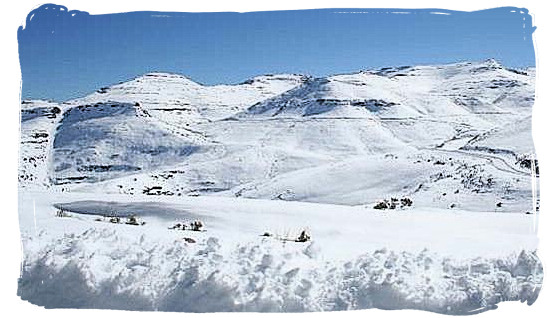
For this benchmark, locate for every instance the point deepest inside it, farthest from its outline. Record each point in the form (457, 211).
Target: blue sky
(66, 54)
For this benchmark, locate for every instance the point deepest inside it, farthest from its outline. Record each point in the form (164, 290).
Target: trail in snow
(503, 166)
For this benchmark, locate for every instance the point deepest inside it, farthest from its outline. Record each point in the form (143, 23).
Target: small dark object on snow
(61, 213)
(393, 203)
(529, 163)
(267, 234)
(382, 205)
(196, 226)
(456, 191)
(406, 202)
(176, 226)
(189, 240)
(499, 204)
(132, 221)
(114, 219)
(453, 205)
(304, 237)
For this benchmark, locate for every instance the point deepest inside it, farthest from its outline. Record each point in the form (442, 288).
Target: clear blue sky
(66, 54)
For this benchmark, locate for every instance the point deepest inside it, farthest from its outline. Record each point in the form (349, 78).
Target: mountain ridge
(287, 136)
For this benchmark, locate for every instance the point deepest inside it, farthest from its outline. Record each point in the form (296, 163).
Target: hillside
(38, 122)
(427, 132)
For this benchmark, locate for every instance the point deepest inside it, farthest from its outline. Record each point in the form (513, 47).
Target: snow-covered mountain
(109, 182)
(446, 90)
(179, 103)
(420, 131)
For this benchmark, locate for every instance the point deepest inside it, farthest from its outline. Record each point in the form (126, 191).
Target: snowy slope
(103, 140)
(357, 95)
(515, 137)
(431, 179)
(358, 258)
(250, 152)
(38, 122)
(147, 122)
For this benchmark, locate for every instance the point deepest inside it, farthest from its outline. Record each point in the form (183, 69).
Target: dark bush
(393, 203)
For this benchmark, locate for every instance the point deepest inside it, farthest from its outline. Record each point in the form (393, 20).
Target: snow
(113, 138)
(281, 154)
(165, 94)
(358, 257)
(38, 121)
(515, 138)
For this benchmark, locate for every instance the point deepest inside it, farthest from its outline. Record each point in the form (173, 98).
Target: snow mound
(140, 274)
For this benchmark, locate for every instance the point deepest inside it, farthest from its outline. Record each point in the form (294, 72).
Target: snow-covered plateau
(411, 187)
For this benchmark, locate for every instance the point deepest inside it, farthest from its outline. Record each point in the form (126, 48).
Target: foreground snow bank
(95, 269)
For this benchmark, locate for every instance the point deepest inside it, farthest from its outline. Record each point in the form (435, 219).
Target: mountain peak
(492, 63)
(165, 77)
(286, 77)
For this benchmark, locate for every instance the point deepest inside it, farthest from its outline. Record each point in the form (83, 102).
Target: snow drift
(254, 277)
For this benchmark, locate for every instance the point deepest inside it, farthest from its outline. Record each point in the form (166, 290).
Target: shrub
(114, 219)
(303, 237)
(393, 203)
(381, 205)
(61, 213)
(132, 220)
(406, 202)
(196, 225)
